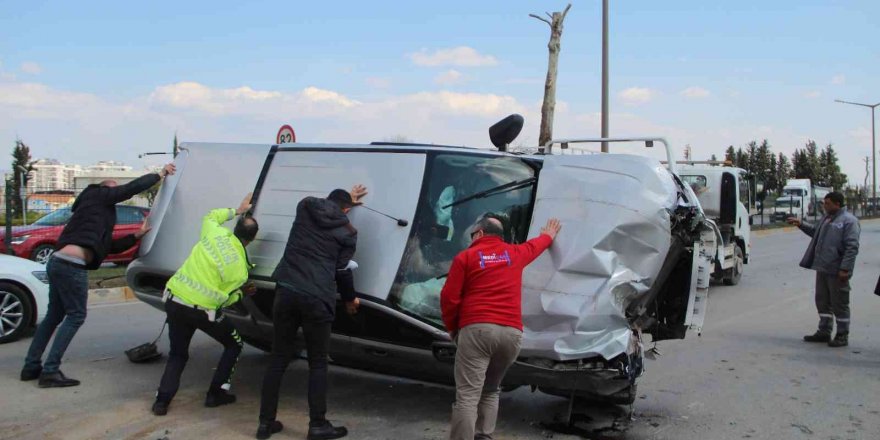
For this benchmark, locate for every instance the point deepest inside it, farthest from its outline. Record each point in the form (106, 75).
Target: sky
(86, 81)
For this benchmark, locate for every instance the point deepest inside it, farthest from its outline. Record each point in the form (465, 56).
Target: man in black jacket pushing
(314, 267)
(85, 242)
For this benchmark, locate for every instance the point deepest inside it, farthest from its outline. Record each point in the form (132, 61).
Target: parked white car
(24, 296)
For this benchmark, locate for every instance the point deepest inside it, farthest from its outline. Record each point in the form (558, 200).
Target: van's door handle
(377, 352)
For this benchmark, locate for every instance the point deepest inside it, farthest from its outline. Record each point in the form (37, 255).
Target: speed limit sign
(285, 135)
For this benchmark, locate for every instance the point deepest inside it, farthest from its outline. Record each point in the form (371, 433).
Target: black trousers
(183, 321)
(291, 311)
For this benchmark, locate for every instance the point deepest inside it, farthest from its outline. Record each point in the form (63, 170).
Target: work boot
(266, 429)
(325, 431)
(160, 407)
(56, 380)
(840, 340)
(217, 398)
(28, 375)
(819, 336)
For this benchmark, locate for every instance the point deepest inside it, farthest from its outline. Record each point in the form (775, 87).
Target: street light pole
(873, 151)
(604, 74)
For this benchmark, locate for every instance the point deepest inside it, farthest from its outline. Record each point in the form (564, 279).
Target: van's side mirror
(505, 131)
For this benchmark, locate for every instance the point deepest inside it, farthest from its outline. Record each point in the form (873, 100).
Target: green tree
(814, 168)
(742, 159)
(730, 155)
(830, 169)
(762, 167)
(771, 183)
(21, 158)
(783, 171)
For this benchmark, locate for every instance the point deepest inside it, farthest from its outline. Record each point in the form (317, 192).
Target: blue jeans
(68, 295)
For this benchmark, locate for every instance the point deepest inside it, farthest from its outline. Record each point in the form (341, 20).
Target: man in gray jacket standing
(832, 254)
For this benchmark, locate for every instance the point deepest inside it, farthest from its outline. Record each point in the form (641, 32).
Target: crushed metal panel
(615, 238)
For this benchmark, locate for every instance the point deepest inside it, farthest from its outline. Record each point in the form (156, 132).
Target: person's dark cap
(341, 197)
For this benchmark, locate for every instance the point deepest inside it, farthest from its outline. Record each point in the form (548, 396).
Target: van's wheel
(734, 274)
(16, 312)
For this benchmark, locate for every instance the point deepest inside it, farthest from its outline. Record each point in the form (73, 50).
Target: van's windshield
(441, 231)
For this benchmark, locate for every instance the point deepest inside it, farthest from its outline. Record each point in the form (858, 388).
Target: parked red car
(37, 241)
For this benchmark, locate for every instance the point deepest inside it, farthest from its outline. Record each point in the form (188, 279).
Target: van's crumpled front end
(624, 265)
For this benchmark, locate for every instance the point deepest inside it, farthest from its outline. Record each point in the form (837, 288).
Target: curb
(111, 295)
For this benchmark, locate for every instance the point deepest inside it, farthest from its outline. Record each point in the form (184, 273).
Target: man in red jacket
(482, 309)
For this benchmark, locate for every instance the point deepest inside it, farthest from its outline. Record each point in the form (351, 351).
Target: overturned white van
(633, 258)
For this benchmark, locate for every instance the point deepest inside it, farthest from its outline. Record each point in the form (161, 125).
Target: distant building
(52, 175)
(108, 165)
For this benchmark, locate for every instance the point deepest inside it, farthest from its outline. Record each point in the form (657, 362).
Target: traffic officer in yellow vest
(213, 277)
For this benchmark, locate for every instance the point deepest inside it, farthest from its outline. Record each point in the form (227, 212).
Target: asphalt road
(748, 376)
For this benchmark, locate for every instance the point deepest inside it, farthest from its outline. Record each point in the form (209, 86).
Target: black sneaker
(840, 340)
(218, 398)
(326, 432)
(56, 380)
(819, 336)
(266, 429)
(28, 375)
(160, 408)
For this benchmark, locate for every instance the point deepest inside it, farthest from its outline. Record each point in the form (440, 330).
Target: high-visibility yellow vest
(216, 268)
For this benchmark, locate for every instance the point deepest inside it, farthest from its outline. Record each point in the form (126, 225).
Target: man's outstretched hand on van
(552, 228)
(352, 306)
(167, 170)
(145, 227)
(357, 193)
(245, 205)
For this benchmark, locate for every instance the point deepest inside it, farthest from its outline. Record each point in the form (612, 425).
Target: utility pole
(873, 151)
(604, 74)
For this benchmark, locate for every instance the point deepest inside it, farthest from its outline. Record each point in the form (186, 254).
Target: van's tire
(733, 275)
(16, 312)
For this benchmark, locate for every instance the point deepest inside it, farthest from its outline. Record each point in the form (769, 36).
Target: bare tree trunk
(549, 105)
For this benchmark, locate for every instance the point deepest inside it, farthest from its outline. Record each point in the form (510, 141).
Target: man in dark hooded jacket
(84, 243)
(314, 267)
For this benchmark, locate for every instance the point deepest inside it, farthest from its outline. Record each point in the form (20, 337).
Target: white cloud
(247, 101)
(462, 56)
(448, 78)
(636, 95)
(378, 82)
(813, 94)
(695, 92)
(838, 80)
(31, 67)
